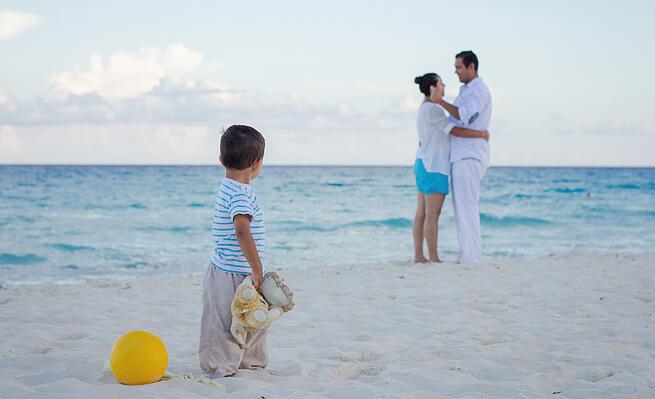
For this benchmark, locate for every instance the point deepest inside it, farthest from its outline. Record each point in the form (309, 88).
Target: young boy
(238, 235)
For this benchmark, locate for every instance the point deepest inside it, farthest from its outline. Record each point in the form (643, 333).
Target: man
(469, 158)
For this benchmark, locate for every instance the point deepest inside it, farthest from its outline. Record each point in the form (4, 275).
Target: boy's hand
(257, 280)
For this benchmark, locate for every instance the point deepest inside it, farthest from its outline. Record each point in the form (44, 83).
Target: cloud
(410, 104)
(13, 22)
(10, 144)
(162, 106)
(167, 106)
(125, 75)
(6, 100)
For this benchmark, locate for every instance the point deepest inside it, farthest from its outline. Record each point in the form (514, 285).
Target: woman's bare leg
(419, 221)
(433, 205)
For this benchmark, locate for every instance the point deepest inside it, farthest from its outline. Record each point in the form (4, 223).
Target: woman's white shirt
(434, 129)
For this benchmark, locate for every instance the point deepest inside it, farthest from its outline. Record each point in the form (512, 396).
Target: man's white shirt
(474, 106)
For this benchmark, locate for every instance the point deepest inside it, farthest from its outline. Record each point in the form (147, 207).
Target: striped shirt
(235, 198)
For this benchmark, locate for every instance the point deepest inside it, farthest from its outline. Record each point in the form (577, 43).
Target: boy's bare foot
(420, 259)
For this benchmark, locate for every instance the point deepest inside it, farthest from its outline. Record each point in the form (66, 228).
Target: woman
(432, 164)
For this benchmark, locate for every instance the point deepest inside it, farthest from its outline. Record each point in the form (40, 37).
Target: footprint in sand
(598, 373)
(51, 349)
(352, 372)
(358, 364)
(76, 336)
(361, 356)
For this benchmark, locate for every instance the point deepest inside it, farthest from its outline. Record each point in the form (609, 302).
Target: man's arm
(470, 134)
(248, 247)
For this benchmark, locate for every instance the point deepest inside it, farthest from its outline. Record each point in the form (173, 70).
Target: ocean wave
(606, 212)
(196, 205)
(299, 226)
(295, 226)
(566, 190)
(133, 265)
(135, 205)
(338, 184)
(626, 186)
(394, 223)
(72, 248)
(171, 229)
(510, 221)
(27, 259)
(566, 181)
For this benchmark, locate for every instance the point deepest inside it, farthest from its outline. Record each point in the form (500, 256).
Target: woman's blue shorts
(429, 182)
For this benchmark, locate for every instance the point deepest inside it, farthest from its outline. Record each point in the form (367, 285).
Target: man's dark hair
(424, 82)
(241, 147)
(468, 57)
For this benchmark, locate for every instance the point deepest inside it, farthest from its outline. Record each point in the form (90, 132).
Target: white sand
(575, 326)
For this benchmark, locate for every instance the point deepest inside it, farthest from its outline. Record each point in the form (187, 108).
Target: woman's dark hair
(424, 82)
(241, 147)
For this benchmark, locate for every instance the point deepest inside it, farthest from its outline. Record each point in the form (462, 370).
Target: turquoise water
(60, 223)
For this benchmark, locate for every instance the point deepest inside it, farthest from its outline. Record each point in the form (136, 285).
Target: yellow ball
(138, 357)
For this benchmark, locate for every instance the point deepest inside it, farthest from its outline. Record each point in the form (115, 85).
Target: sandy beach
(575, 326)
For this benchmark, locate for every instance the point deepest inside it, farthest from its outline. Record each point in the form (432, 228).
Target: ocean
(71, 223)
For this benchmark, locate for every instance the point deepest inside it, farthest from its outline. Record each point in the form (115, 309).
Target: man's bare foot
(437, 260)
(420, 259)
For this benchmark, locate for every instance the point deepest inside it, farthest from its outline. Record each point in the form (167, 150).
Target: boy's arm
(470, 134)
(248, 247)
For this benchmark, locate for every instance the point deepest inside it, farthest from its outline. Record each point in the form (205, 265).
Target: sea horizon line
(320, 165)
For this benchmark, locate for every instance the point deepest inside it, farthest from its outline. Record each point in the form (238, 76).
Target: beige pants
(220, 355)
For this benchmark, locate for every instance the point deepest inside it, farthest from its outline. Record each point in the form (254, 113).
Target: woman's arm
(469, 134)
(452, 110)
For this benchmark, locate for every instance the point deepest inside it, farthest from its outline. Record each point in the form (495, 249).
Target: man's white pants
(466, 177)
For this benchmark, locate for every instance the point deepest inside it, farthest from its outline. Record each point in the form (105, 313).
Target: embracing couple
(457, 145)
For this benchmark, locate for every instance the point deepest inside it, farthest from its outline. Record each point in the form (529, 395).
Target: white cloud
(410, 104)
(10, 144)
(163, 106)
(126, 75)
(13, 22)
(5, 97)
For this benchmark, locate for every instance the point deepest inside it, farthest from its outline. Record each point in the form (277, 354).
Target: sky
(327, 83)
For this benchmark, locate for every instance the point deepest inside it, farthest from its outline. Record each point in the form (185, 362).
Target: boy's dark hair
(241, 147)
(468, 57)
(424, 82)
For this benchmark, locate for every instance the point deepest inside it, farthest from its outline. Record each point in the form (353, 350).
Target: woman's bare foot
(420, 259)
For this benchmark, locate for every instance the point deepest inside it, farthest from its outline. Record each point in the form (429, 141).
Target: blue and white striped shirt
(235, 198)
